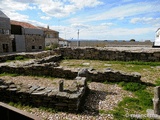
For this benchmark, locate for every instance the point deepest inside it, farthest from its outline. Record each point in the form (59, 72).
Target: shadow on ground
(91, 106)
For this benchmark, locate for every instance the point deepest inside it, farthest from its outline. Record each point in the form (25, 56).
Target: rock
(3, 87)
(86, 64)
(83, 72)
(107, 65)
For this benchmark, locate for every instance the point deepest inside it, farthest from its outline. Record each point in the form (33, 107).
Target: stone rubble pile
(71, 99)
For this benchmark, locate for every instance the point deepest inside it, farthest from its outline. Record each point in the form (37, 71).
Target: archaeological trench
(47, 64)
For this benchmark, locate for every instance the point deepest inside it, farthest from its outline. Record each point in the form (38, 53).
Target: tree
(132, 40)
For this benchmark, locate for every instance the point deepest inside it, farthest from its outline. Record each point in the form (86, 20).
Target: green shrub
(19, 58)
(157, 82)
(145, 98)
(132, 86)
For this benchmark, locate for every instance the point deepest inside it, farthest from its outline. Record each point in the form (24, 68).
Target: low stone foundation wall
(48, 69)
(109, 75)
(71, 99)
(32, 55)
(112, 55)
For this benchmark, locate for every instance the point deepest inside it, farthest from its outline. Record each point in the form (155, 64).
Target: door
(5, 48)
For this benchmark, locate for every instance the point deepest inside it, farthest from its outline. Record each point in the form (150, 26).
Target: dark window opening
(40, 47)
(5, 48)
(33, 47)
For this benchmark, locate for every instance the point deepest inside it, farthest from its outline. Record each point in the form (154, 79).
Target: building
(5, 28)
(26, 37)
(63, 43)
(51, 36)
(157, 38)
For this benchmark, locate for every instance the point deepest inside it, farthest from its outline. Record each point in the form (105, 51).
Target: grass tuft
(132, 86)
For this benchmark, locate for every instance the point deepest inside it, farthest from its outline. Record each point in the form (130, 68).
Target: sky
(95, 19)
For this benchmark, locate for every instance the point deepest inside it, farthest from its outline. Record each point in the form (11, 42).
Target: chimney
(47, 26)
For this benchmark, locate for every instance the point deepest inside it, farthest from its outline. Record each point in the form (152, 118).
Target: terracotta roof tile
(23, 24)
(46, 29)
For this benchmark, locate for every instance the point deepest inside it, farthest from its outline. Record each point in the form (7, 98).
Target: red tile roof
(46, 29)
(23, 24)
(61, 39)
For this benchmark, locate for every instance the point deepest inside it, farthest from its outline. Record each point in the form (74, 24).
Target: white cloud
(79, 26)
(11, 5)
(45, 18)
(145, 20)
(127, 10)
(107, 24)
(61, 9)
(16, 16)
(85, 3)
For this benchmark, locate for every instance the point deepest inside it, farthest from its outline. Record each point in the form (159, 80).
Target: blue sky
(95, 19)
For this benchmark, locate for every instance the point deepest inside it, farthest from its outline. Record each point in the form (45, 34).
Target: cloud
(16, 16)
(45, 18)
(65, 7)
(11, 5)
(126, 10)
(79, 26)
(85, 3)
(145, 20)
(107, 24)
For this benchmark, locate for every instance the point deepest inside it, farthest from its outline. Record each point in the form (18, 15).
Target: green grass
(157, 82)
(21, 58)
(132, 86)
(128, 66)
(19, 105)
(8, 74)
(137, 105)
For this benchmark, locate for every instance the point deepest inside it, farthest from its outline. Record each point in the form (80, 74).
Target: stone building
(63, 43)
(51, 36)
(5, 28)
(157, 38)
(26, 37)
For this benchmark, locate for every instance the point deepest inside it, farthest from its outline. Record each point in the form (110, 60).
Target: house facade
(26, 37)
(51, 36)
(63, 43)
(5, 28)
(157, 38)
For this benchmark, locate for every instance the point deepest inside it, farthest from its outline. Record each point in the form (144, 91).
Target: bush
(19, 58)
(157, 82)
(145, 98)
(132, 86)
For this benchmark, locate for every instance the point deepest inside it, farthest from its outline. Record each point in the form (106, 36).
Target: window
(5, 32)
(33, 47)
(40, 47)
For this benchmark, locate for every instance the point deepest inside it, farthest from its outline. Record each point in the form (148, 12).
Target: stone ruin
(156, 100)
(71, 99)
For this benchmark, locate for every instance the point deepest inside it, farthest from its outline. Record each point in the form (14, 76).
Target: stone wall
(36, 55)
(105, 54)
(4, 39)
(34, 40)
(71, 99)
(109, 75)
(115, 43)
(49, 69)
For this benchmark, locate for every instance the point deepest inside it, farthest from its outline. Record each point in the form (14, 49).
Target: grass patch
(102, 111)
(8, 74)
(137, 105)
(132, 86)
(19, 105)
(20, 57)
(157, 82)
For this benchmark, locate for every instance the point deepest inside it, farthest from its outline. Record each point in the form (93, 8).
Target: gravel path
(102, 98)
